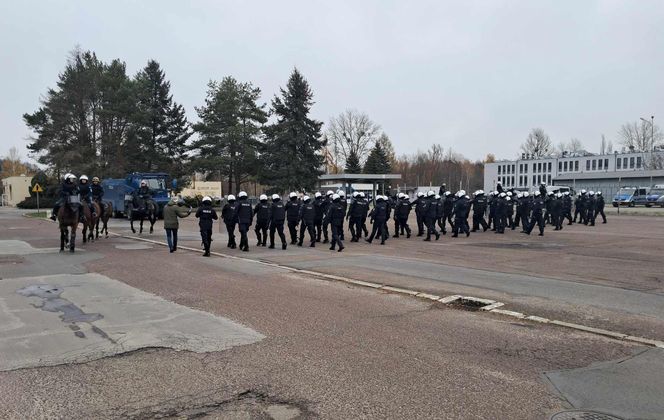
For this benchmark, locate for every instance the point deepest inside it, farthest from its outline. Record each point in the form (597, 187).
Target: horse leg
(84, 231)
(72, 244)
(152, 220)
(131, 222)
(97, 229)
(140, 230)
(63, 236)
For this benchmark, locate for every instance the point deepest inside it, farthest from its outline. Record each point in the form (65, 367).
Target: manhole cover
(583, 415)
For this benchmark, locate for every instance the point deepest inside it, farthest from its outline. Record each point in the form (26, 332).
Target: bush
(192, 201)
(31, 203)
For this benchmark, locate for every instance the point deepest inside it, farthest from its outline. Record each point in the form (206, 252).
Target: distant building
(15, 189)
(580, 171)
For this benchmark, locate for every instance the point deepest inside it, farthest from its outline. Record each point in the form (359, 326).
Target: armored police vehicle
(119, 191)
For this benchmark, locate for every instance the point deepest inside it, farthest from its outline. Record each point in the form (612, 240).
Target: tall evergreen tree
(229, 131)
(378, 162)
(292, 156)
(160, 129)
(353, 165)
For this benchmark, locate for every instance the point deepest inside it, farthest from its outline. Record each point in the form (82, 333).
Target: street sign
(37, 188)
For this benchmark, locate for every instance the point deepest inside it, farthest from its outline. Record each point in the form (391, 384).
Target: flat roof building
(15, 189)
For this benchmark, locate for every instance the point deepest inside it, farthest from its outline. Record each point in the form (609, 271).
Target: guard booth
(358, 182)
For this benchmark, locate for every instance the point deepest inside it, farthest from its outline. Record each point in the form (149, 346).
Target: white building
(16, 189)
(527, 174)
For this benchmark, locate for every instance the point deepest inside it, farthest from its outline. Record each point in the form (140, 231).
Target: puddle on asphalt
(52, 302)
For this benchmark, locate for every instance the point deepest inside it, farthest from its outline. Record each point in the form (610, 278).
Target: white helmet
(242, 194)
(598, 193)
(230, 197)
(508, 199)
(292, 194)
(448, 193)
(466, 197)
(335, 196)
(537, 193)
(420, 194)
(329, 193)
(206, 198)
(355, 194)
(275, 196)
(71, 176)
(462, 192)
(317, 194)
(144, 182)
(83, 177)
(591, 192)
(498, 183)
(362, 195)
(559, 195)
(341, 193)
(566, 193)
(437, 197)
(583, 191)
(502, 195)
(542, 183)
(430, 193)
(263, 197)
(306, 198)
(479, 192)
(509, 193)
(66, 176)
(519, 195)
(379, 197)
(526, 194)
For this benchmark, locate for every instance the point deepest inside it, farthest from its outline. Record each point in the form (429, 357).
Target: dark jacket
(262, 211)
(278, 213)
(245, 214)
(307, 213)
(229, 212)
(480, 204)
(67, 189)
(206, 215)
(461, 208)
(430, 208)
(293, 210)
(335, 214)
(448, 205)
(85, 191)
(319, 205)
(379, 214)
(358, 209)
(402, 209)
(97, 192)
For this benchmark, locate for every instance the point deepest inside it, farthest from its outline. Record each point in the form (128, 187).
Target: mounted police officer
(98, 194)
(86, 193)
(206, 215)
(67, 189)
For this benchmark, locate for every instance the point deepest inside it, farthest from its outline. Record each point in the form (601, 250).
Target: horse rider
(97, 194)
(67, 188)
(143, 193)
(86, 193)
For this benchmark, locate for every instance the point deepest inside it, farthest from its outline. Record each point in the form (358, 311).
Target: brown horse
(89, 221)
(108, 212)
(68, 216)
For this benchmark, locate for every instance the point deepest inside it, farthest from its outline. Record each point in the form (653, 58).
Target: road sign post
(37, 189)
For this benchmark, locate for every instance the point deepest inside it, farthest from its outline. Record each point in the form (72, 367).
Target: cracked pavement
(330, 350)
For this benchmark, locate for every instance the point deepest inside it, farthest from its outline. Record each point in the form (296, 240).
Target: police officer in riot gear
(479, 204)
(262, 213)
(67, 189)
(306, 217)
(292, 214)
(357, 214)
(430, 216)
(448, 210)
(420, 204)
(536, 218)
(277, 218)
(245, 216)
(206, 215)
(229, 216)
(378, 216)
(599, 206)
(325, 205)
(320, 213)
(335, 218)
(461, 209)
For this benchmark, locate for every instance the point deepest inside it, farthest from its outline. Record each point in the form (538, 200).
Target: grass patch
(37, 215)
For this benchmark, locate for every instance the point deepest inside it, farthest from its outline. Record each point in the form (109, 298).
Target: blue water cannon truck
(119, 190)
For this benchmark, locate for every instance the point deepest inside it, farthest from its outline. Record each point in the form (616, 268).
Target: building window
(533, 179)
(560, 166)
(618, 163)
(631, 163)
(606, 164)
(565, 166)
(594, 164)
(576, 166)
(600, 164)
(548, 179)
(624, 163)
(588, 165)
(512, 184)
(549, 166)
(499, 168)
(525, 168)
(513, 168)
(638, 162)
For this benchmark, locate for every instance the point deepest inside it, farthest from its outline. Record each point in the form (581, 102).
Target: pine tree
(229, 131)
(377, 162)
(292, 155)
(353, 165)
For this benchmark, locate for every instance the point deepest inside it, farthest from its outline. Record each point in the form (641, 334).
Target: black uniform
(590, 210)
(461, 209)
(318, 218)
(500, 214)
(86, 196)
(325, 205)
(292, 213)
(567, 208)
(335, 218)
(262, 213)
(229, 216)
(420, 204)
(448, 209)
(277, 218)
(479, 208)
(206, 215)
(378, 216)
(97, 193)
(306, 216)
(430, 210)
(245, 217)
(402, 211)
(357, 213)
(439, 212)
(67, 189)
(556, 212)
(536, 218)
(599, 208)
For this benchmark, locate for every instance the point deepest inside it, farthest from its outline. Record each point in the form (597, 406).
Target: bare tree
(351, 131)
(573, 146)
(537, 143)
(640, 136)
(12, 165)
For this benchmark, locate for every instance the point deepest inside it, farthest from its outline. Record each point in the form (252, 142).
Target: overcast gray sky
(475, 76)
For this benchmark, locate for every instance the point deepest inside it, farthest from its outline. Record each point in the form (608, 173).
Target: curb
(485, 305)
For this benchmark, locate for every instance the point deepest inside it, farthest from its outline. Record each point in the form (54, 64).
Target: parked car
(629, 196)
(660, 201)
(654, 195)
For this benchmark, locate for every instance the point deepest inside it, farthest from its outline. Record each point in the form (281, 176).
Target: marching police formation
(322, 218)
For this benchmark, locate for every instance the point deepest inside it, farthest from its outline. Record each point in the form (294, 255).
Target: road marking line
(490, 305)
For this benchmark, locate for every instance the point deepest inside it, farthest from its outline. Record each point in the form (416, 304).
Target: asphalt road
(318, 348)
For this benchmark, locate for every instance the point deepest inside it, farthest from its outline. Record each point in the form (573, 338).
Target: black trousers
(292, 229)
(378, 229)
(230, 227)
(278, 227)
(355, 227)
(261, 231)
(460, 225)
(420, 224)
(478, 220)
(447, 218)
(309, 227)
(244, 239)
(567, 214)
(536, 219)
(430, 223)
(336, 236)
(364, 226)
(206, 238)
(318, 224)
(600, 211)
(325, 235)
(403, 225)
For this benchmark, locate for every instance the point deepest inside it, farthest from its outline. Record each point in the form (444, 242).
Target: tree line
(100, 121)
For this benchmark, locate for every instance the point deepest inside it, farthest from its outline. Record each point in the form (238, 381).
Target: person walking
(172, 211)
(206, 215)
